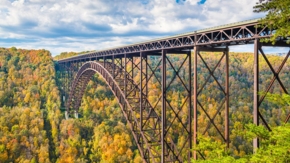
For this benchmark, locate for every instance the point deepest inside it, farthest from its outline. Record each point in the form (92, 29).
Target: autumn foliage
(33, 127)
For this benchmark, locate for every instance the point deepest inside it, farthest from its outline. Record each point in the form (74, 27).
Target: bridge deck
(230, 34)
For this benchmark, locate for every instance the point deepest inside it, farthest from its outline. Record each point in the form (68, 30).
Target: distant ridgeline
(33, 129)
(69, 54)
(64, 55)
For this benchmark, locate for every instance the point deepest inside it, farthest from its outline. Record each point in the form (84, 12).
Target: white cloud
(74, 25)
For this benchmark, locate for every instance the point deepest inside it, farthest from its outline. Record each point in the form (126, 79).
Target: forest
(33, 127)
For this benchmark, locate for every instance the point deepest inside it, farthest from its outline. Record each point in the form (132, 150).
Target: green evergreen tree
(278, 17)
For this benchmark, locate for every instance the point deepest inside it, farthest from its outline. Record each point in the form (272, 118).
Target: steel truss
(67, 73)
(176, 120)
(158, 124)
(258, 98)
(224, 103)
(231, 34)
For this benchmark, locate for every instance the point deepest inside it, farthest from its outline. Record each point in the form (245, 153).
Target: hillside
(29, 106)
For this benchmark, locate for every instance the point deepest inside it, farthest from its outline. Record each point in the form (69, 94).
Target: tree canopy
(278, 17)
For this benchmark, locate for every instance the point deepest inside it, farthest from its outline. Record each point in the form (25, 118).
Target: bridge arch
(83, 76)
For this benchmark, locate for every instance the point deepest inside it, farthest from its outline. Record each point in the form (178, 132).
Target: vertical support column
(146, 63)
(125, 75)
(195, 102)
(66, 80)
(256, 91)
(163, 111)
(227, 134)
(74, 69)
(132, 64)
(104, 60)
(62, 72)
(66, 115)
(141, 90)
(121, 67)
(113, 61)
(190, 107)
(70, 75)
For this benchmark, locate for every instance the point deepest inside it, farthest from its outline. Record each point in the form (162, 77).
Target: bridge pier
(256, 91)
(76, 115)
(163, 112)
(199, 108)
(171, 149)
(125, 75)
(66, 115)
(259, 96)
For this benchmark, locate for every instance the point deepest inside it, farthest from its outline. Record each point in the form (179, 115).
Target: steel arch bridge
(128, 70)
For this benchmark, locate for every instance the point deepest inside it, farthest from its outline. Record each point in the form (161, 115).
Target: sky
(84, 25)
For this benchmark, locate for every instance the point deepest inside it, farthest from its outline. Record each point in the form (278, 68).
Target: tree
(275, 146)
(282, 100)
(278, 17)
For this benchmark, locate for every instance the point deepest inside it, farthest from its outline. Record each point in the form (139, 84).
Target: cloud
(74, 25)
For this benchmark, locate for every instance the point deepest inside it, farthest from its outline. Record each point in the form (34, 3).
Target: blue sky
(81, 25)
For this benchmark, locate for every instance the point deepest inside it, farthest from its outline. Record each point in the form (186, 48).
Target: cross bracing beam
(201, 109)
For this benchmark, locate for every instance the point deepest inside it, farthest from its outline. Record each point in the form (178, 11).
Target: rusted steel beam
(190, 153)
(195, 103)
(141, 91)
(227, 99)
(163, 110)
(256, 90)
